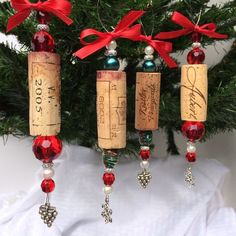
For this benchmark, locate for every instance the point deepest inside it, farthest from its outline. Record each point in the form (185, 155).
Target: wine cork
(44, 92)
(111, 109)
(194, 86)
(147, 102)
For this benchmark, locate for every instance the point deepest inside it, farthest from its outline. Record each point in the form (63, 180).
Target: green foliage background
(78, 79)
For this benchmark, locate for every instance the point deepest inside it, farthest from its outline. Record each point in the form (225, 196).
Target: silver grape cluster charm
(144, 178)
(48, 214)
(107, 212)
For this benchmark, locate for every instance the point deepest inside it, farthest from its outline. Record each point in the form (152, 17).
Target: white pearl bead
(196, 45)
(149, 50)
(145, 148)
(112, 45)
(191, 147)
(107, 190)
(144, 164)
(48, 173)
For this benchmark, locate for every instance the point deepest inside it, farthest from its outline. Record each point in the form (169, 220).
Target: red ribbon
(59, 8)
(163, 48)
(189, 27)
(122, 30)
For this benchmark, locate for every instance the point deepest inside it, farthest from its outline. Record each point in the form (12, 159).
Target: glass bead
(110, 159)
(111, 63)
(43, 42)
(48, 185)
(145, 154)
(108, 179)
(149, 66)
(43, 17)
(193, 130)
(145, 138)
(191, 156)
(196, 56)
(196, 37)
(47, 148)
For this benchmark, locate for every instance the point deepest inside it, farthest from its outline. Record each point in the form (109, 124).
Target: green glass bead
(111, 63)
(149, 66)
(145, 138)
(110, 160)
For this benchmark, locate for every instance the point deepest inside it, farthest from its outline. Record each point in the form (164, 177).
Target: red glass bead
(196, 37)
(47, 148)
(43, 41)
(191, 156)
(196, 56)
(193, 130)
(48, 185)
(145, 154)
(108, 179)
(43, 17)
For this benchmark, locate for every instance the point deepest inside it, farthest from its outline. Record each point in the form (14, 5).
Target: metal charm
(48, 213)
(189, 178)
(107, 212)
(144, 178)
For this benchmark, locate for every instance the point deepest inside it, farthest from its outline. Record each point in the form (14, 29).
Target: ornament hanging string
(189, 27)
(122, 30)
(163, 48)
(61, 9)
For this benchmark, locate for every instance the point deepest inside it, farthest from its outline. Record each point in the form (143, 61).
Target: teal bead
(111, 63)
(149, 66)
(145, 138)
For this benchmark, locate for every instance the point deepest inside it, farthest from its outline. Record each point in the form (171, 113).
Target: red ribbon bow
(163, 48)
(189, 27)
(122, 30)
(60, 8)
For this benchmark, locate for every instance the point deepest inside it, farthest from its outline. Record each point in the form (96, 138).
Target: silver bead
(109, 170)
(144, 164)
(191, 147)
(148, 57)
(145, 148)
(196, 45)
(48, 173)
(149, 50)
(41, 27)
(107, 190)
(110, 52)
(112, 45)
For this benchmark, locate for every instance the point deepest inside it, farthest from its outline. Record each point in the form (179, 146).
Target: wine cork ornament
(44, 91)
(111, 109)
(147, 101)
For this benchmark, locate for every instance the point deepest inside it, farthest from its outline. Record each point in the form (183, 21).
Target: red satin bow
(163, 48)
(122, 30)
(189, 27)
(60, 8)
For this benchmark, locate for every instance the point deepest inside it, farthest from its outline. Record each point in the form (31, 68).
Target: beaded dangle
(44, 86)
(146, 111)
(193, 102)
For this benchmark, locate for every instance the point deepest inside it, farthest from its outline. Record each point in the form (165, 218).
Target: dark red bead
(47, 148)
(43, 41)
(48, 185)
(191, 156)
(43, 17)
(108, 179)
(196, 37)
(145, 154)
(193, 130)
(196, 56)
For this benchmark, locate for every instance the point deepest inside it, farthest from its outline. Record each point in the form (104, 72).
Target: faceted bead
(145, 154)
(47, 148)
(48, 185)
(196, 37)
(191, 156)
(108, 179)
(145, 138)
(43, 17)
(111, 63)
(196, 56)
(110, 159)
(43, 41)
(193, 130)
(149, 66)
